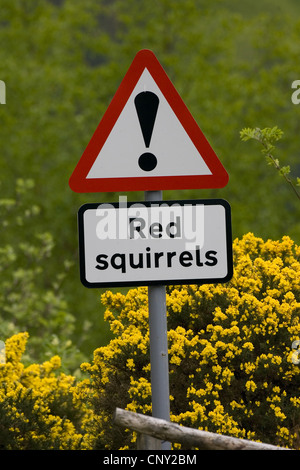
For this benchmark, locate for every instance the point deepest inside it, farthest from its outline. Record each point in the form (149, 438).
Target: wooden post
(164, 430)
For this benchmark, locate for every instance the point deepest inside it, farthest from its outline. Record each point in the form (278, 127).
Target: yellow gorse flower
(36, 401)
(231, 364)
(229, 349)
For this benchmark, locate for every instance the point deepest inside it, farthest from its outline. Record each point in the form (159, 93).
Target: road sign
(147, 139)
(169, 242)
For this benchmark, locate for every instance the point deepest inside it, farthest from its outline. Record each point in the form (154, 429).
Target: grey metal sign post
(159, 344)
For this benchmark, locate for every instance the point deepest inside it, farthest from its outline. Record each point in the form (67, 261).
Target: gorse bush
(230, 351)
(231, 359)
(39, 409)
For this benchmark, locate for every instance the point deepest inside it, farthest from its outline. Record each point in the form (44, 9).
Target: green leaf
(285, 170)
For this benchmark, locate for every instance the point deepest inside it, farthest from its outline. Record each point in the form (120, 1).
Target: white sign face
(169, 142)
(165, 242)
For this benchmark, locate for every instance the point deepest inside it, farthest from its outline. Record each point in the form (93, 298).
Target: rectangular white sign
(164, 242)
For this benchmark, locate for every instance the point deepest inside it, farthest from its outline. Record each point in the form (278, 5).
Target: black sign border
(184, 202)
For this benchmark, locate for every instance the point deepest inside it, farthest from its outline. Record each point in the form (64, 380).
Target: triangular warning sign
(147, 139)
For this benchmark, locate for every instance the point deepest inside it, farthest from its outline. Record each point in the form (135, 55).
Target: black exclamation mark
(146, 104)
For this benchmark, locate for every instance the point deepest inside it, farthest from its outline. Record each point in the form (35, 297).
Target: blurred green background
(233, 64)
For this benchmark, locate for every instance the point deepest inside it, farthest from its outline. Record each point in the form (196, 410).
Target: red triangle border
(78, 181)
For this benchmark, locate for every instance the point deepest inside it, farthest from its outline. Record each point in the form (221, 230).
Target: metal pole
(159, 345)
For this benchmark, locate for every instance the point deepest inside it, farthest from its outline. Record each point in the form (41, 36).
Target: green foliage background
(232, 62)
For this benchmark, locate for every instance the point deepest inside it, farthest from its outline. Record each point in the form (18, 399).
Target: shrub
(40, 409)
(32, 298)
(233, 369)
(230, 351)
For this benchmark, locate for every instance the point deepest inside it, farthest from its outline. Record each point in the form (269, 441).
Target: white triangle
(175, 152)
